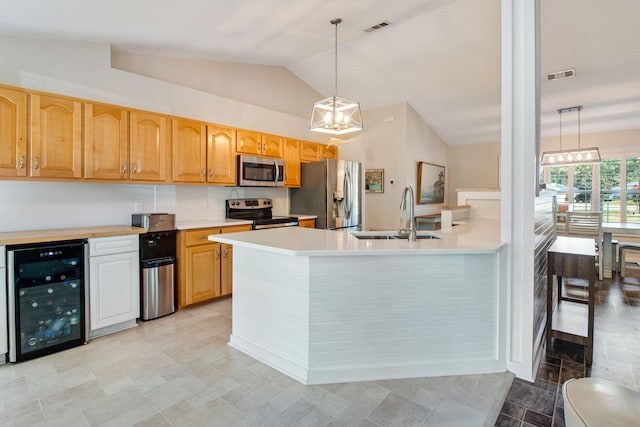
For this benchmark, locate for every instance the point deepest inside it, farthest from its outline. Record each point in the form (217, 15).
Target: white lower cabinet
(3, 307)
(114, 284)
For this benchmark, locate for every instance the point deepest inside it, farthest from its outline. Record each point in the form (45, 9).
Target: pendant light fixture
(573, 156)
(336, 115)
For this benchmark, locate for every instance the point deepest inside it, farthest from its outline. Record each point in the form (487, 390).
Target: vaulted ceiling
(440, 56)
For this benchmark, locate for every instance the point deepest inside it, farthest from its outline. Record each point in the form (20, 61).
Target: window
(632, 199)
(559, 182)
(610, 189)
(583, 187)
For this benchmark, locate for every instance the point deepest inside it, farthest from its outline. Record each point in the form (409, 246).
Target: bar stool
(599, 402)
(626, 247)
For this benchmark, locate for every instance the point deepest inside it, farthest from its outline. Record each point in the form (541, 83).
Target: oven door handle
(282, 224)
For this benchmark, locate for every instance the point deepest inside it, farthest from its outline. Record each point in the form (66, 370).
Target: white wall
(473, 166)
(83, 70)
(396, 139)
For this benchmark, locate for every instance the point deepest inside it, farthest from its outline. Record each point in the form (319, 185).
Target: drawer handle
(210, 172)
(225, 253)
(21, 162)
(218, 254)
(124, 167)
(135, 168)
(35, 163)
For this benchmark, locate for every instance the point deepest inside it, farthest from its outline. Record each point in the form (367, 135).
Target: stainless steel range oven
(47, 297)
(260, 211)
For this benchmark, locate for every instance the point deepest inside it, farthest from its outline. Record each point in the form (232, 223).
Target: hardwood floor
(616, 356)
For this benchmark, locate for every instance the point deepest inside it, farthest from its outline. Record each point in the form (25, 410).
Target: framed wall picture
(430, 183)
(374, 180)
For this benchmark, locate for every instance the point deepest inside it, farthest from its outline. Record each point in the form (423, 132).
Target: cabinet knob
(210, 172)
(225, 252)
(35, 162)
(21, 162)
(202, 173)
(218, 254)
(134, 167)
(124, 167)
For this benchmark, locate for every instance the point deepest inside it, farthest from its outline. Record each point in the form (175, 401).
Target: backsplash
(28, 205)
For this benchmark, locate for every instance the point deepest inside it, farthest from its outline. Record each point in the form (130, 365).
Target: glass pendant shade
(575, 156)
(336, 115)
(570, 157)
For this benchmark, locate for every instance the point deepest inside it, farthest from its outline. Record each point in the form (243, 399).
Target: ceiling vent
(377, 26)
(562, 74)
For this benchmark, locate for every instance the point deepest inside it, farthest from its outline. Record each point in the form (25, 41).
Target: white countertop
(474, 236)
(209, 222)
(303, 216)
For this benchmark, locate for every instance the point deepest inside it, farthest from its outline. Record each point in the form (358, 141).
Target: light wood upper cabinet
(106, 142)
(13, 133)
(258, 144)
(329, 151)
(56, 137)
(221, 155)
(148, 138)
(272, 146)
(310, 151)
(189, 142)
(291, 163)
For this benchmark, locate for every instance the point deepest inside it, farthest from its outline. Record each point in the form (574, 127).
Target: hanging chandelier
(336, 115)
(572, 156)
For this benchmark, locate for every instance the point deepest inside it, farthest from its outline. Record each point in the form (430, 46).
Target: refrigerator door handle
(348, 196)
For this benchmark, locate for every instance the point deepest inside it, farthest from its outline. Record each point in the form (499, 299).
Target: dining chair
(587, 224)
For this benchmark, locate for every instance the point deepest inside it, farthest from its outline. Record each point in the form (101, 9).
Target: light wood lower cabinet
(3, 305)
(308, 223)
(114, 283)
(204, 267)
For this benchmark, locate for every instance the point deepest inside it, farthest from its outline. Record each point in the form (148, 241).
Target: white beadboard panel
(270, 305)
(332, 319)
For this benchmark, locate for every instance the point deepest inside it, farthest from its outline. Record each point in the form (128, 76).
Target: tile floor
(179, 370)
(616, 356)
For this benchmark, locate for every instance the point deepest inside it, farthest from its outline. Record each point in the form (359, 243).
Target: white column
(518, 150)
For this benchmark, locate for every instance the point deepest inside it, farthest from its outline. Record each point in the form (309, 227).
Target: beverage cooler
(47, 298)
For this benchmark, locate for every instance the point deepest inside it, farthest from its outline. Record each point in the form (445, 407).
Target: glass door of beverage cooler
(47, 298)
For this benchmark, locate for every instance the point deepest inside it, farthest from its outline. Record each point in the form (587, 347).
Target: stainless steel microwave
(255, 171)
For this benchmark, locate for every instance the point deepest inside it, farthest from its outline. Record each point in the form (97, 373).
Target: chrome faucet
(412, 217)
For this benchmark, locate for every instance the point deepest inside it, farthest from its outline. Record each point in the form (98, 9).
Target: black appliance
(260, 211)
(47, 297)
(157, 264)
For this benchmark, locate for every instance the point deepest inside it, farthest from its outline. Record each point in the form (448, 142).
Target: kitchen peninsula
(327, 307)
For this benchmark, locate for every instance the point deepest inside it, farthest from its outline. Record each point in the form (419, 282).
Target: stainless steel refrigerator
(332, 190)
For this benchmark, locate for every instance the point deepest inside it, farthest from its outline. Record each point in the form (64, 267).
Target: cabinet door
(13, 133)
(149, 137)
(189, 144)
(221, 155)
(56, 137)
(106, 142)
(307, 223)
(114, 289)
(202, 273)
(309, 152)
(226, 278)
(272, 146)
(291, 163)
(249, 142)
(330, 152)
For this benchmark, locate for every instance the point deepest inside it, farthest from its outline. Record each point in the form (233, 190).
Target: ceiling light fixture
(573, 156)
(336, 115)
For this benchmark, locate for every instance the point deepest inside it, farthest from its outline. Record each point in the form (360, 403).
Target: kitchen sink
(367, 235)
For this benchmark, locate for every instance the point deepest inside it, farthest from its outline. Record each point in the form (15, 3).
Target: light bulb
(589, 156)
(569, 157)
(339, 116)
(560, 158)
(327, 118)
(346, 118)
(579, 156)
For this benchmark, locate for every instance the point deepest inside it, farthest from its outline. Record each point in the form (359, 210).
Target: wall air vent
(562, 74)
(377, 26)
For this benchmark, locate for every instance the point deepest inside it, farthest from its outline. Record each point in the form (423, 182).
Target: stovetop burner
(260, 211)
